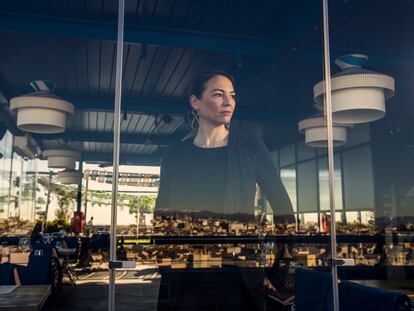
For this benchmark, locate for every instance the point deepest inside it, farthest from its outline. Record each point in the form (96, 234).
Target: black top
(248, 162)
(207, 180)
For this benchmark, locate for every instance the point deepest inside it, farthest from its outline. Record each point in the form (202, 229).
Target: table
(25, 298)
(403, 286)
(21, 258)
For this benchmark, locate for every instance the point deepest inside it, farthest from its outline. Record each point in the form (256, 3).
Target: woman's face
(217, 103)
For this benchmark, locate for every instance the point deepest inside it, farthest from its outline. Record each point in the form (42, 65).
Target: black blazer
(248, 162)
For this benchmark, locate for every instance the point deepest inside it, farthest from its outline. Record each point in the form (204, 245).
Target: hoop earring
(195, 122)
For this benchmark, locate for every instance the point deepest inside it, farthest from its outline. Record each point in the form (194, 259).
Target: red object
(326, 223)
(78, 222)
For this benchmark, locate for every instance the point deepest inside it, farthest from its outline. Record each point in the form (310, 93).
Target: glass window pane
(324, 183)
(5, 167)
(322, 151)
(358, 134)
(304, 152)
(367, 217)
(352, 217)
(340, 217)
(275, 158)
(307, 187)
(377, 166)
(287, 155)
(358, 179)
(301, 218)
(310, 219)
(288, 177)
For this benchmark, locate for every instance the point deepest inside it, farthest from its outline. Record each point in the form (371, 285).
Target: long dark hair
(200, 82)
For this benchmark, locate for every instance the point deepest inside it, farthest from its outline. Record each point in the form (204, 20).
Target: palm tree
(66, 197)
(140, 204)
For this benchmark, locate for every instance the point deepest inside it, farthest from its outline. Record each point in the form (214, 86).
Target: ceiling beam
(124, 158)
(130, 106)
(166, 37)
(245, 113)
(108, 137)
(298, 21)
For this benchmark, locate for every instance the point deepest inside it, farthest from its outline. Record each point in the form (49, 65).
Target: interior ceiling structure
(272, 48)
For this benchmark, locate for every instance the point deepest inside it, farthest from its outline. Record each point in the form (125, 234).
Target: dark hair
(200, 82)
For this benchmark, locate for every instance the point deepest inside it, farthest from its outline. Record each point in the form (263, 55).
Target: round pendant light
(358, 95)
(41, 111)
(69, 177)
(61, 158)
(315, 132)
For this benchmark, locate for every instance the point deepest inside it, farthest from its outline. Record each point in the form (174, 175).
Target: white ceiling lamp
(41, 111)
(358, 95)
(69, 177)
(61, 158)
(315, 132)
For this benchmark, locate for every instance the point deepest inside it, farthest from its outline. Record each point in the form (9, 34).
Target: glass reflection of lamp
(358, 95)
(69, 177)
(41, 111)
(315, 132)
(61, 158)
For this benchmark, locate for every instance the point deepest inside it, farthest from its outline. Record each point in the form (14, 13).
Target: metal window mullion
(296, 179)
(342, 181)
(328, 114)
(117, 127)
(318, 199)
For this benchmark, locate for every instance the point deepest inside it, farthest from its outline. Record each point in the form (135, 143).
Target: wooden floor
(93, 297)
(25, 297)
(135, 290)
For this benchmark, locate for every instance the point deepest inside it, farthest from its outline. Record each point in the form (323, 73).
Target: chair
(40, 248)
(313, 291)
(279, 285)
(100, 241)
(9, 274)
(42, 269)
(73, 242)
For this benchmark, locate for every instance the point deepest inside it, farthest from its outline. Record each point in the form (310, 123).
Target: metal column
(117, 126)
(328, 115)
(86, 196)
(79, 194)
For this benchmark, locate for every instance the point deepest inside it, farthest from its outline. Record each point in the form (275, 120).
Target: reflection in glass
(359, 134)
(21, 196)
(287, 155)
(323, 183)
(358, 179)
(275, 158)
(304, 152)
(352, 217)
(5, 166)
(288, 177)
(310, 219)
(307, 187)
(367, 217)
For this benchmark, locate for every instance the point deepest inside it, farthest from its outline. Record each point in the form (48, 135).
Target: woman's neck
(209, 136)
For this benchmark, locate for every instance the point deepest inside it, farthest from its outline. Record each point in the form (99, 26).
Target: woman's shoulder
(253, 147)
(249, 141)
(177, 149)
(182, 145)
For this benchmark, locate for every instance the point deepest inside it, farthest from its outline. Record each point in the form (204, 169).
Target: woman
(217, 171)
(214, 174)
